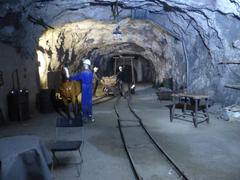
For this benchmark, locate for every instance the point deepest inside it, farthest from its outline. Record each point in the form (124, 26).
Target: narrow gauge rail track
(179, 173)
(103, 99)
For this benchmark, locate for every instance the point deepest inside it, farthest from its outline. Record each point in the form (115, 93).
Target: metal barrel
(18, 105)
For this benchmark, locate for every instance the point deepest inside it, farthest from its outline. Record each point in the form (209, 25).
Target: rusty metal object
(69, 92)
(109, 80)
(109, 84)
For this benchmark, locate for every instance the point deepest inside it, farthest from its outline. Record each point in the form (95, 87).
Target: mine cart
(109, 84)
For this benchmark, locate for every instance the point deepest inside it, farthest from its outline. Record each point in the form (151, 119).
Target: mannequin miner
(86, 78)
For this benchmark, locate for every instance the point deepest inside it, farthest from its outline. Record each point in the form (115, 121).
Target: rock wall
(69, 44)
(27, 70)
(208, 31)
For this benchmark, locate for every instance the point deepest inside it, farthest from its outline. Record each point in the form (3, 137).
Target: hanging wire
(115, 11)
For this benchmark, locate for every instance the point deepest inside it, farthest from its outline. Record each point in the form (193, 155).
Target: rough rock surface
(208, 30)
(72, 42)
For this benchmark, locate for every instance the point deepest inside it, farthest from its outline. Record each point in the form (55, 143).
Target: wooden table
(191, 107)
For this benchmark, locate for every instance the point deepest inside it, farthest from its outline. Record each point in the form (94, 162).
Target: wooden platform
(191, 107)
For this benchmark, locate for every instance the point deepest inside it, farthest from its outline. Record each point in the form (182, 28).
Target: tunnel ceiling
(96, 38)
(27, 17)
(23, 21)
(69, 44)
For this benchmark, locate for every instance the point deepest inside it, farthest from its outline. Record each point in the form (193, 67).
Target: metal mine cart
(109, 84)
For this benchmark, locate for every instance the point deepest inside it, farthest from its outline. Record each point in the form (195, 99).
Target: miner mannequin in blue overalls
(86, 78)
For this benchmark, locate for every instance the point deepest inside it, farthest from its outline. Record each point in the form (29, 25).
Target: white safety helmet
(120, 68)
(95, 69)
(87, 61)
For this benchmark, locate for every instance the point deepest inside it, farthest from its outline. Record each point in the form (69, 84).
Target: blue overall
(86, 77)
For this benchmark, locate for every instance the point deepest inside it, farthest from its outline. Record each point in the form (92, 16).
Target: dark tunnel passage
(143, 69)
(180, 59)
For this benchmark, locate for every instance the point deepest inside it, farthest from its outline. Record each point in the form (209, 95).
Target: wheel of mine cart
(105, 90)
(115, 91)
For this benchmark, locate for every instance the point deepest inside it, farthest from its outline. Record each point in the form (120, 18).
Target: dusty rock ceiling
(68, 44)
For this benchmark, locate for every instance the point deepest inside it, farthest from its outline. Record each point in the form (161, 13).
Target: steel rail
(174, 165)
(99, 100)
(136, 174)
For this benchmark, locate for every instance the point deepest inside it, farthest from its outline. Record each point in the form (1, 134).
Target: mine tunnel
(135, 89)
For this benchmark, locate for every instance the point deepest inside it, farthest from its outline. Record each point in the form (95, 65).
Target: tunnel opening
(127, 69)
(143, 70)
(153, 60)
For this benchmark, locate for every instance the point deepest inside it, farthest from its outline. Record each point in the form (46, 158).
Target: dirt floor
(208, 152)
